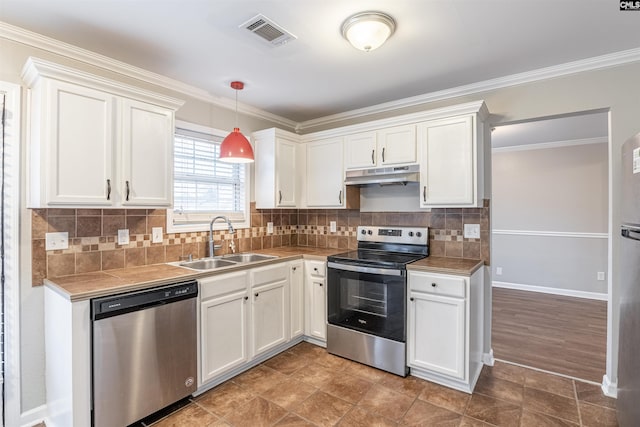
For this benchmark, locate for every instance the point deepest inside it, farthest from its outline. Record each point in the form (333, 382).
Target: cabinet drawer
(438, 284)
(316, 268)
(270, 274)
(222, 284)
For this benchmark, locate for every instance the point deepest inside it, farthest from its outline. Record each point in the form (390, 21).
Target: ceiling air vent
(268, 30)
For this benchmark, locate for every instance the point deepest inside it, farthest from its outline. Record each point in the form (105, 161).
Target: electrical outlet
(498, 271)
(269, 228)
(600, 275)
(55, 241)
(332, 226)
(472, 231)
(156, 234)
(123, 237)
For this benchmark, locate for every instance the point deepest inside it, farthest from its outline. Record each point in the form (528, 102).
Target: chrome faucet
(213, 247)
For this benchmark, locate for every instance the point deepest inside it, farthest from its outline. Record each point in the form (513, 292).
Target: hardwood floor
(555, 333)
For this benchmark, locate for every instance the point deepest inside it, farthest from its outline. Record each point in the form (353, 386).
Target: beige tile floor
(306, 386)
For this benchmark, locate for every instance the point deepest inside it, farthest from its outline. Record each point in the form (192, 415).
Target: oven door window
(370, 303)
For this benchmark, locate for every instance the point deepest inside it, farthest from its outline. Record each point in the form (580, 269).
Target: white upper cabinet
(276, 183)
(385, 147)
(325, 174)
(95, 142)
(449, 163)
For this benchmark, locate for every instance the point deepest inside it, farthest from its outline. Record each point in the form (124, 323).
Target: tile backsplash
(93, 235)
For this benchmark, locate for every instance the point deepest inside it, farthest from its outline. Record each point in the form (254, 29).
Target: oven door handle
(362, 269)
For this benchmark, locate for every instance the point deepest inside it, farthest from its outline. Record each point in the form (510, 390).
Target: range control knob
(418, 234)
(363, 232)
(369, 232)
(411, 234)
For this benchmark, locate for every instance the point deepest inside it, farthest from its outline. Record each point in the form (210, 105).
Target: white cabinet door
(447, 162)
(269, 316)
(397, 145)
(317, 325)
(223, 329)
(296, 298)
(436, 336)
(325, 173)
(76, 144)
(286, 173)
(360, 150)
(147, 154)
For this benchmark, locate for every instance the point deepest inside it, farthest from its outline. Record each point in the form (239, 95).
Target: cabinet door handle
(256, 295)
(320, 284)
(434, 285)
(280, 197)
(382, 154)
(424, 193)
(340, 197)
(246, 298)
(411, 299)
(108, 189)
(128, 189)
(373, 157)
(294, 268)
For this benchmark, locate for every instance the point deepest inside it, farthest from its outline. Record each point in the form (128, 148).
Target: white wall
(550, 218)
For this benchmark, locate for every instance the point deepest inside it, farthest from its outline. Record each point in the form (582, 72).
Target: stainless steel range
(367, 296)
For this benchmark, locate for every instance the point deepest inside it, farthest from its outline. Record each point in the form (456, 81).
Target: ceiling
(438, 44)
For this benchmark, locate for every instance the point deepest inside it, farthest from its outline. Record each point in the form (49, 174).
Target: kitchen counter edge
(444, 265)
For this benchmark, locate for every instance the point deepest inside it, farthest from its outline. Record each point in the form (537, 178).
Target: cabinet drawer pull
(411, 299)
(280, 198)
(340, 197)
(256, 295)
(320, 284)
(294, 268)
(382, 154)
(373, 157)
(128, 190)
(108, 189)
(424, 193)
(246, 298)
(434, 285)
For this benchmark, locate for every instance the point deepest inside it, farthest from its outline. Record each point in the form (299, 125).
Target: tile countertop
(457, 266)
(80, 287)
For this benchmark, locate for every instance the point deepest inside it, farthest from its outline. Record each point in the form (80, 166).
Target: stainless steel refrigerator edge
(628, 405)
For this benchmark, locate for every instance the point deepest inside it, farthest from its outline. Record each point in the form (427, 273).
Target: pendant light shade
(235, 148)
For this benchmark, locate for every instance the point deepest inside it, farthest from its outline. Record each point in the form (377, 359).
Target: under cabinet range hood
(400, 175)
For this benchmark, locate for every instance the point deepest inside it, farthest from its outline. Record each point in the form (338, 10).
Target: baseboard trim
(553, 291)
(609, 388)
(488, 359)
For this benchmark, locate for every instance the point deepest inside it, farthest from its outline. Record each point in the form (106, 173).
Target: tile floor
(306, 386)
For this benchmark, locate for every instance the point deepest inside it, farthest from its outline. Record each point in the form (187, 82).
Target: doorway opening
(550, 225)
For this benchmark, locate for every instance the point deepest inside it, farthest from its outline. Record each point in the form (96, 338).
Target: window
(204, 187)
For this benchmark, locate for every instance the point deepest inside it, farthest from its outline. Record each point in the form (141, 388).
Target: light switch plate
(269, 228)
(332, 226)
(472, 231)
(123, 237)
(55, 241)
(156, 234)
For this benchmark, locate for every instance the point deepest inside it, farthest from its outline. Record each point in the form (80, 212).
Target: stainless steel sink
(207, 263)
(247, 257)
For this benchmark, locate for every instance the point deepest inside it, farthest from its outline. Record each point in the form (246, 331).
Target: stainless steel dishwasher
(144, 352)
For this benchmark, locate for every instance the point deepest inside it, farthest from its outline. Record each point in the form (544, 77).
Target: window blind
(203, 185)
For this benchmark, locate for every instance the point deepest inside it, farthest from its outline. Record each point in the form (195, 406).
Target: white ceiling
(438, 44)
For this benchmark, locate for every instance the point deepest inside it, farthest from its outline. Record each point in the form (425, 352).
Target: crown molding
(553, 144)
(29, 38)
(595, 63)
(35, 40)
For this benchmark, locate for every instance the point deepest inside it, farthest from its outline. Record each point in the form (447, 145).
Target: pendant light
(235, 148)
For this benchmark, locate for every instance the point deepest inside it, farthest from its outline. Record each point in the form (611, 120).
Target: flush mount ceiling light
(235, 148)
(368, 30)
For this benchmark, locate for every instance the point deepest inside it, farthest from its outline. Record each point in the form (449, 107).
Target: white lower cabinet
(445, 328)
(296, 298)
(270, 307)
(223, 319)
(316, 301)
